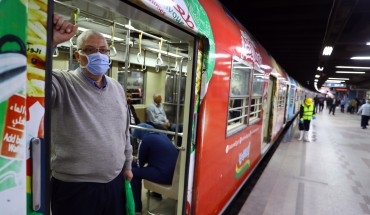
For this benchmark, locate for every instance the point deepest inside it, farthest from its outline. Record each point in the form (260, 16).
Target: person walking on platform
(342, 104)
(364, 110)
(316, 102)
(332, 103)
(306, 113)
(321, 104)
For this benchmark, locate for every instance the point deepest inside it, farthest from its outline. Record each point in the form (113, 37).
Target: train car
(232, 98)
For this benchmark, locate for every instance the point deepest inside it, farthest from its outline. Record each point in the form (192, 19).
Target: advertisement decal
(13, 22)
(36, 62)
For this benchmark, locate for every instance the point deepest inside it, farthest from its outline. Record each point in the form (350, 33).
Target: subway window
(239, 96)
(281, 95)
(256, 101)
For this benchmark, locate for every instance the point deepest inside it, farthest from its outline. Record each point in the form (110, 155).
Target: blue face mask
(97, 63)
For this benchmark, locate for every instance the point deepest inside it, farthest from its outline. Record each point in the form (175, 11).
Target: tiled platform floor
(328, 176)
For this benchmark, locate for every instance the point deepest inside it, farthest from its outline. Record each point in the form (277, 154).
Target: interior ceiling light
(352, 67)
(334, 81)
(360, 58)
(320, 68)
(339, 78)
(350, 72)
(317, 76)
(327, 51)
(368, 43)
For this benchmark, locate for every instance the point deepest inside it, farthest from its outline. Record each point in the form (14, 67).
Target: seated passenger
(155, 162)
(134, 120)
(157, 117)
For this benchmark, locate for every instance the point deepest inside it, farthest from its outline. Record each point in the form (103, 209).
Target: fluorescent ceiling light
(317, 76)
(352, 67)
(334, 81)
(316, 80)
(339, 78)
(361, 58)
(327, 50)
(104, 35)
(350, 72)
(320, 68)
(368, 43)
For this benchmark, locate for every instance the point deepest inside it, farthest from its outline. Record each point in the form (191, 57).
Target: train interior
(148, 56)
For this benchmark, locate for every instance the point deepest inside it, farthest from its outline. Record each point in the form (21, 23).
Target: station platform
(329, 175)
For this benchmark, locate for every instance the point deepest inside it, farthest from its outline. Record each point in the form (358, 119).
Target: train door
(268, 113)
(24, 61)
(151, 56)
(12, 107)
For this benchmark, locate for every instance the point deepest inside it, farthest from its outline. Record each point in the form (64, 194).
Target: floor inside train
(329, 175)
(163, 206)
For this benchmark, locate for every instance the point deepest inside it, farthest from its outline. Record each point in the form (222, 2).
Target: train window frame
(240, 92)
(257, 94)
(136, 88)
(281, 100)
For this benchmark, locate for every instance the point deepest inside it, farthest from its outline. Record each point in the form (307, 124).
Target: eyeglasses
(92, 50)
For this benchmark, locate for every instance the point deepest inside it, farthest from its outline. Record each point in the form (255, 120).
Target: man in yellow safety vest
(306, 113)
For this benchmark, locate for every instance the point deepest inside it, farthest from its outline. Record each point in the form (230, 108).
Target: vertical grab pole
(178, 99)
(36, 173)
(127, 59)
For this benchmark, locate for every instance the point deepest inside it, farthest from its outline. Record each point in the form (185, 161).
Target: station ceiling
(295, 33)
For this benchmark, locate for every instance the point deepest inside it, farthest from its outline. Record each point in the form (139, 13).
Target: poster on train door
(22, 82)
(13, 28)
(37, 175)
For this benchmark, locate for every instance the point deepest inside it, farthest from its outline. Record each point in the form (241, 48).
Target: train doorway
(268, 114)
(149, 57)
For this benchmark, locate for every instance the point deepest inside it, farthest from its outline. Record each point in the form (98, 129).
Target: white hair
(86, 34)
(155, 95)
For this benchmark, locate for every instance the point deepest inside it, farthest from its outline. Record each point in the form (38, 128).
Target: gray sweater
(364, 109)
(90, 136)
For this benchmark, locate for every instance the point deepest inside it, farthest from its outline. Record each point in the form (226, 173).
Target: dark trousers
(306, 125)
(332, 109)
(321, 106)
(364, 121)
(87, 198)
(148, 173)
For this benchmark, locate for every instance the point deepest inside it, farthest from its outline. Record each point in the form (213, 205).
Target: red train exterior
(220, 149)
(224, 163)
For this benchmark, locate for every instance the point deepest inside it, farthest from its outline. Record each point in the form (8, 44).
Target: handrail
(178, 98)
(111, 47)
(125, 26)
(162, 131)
